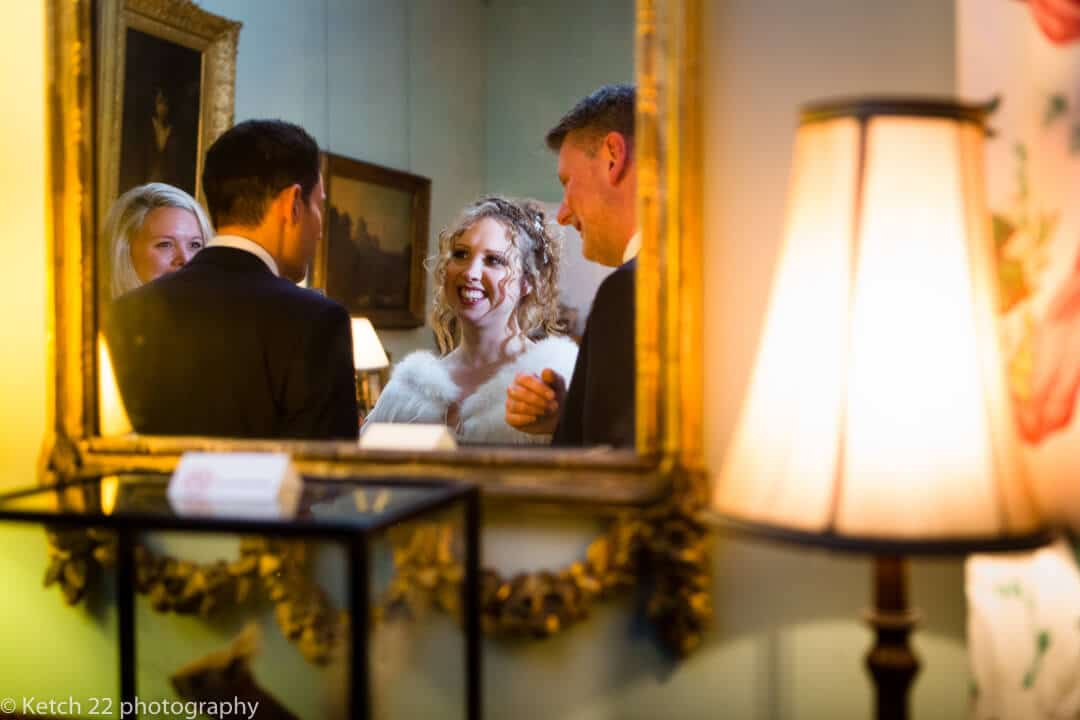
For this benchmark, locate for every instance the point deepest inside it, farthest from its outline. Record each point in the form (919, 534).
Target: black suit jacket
(223, 347)
(599, 407)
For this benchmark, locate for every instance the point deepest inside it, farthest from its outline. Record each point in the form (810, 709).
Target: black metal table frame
(126, 526)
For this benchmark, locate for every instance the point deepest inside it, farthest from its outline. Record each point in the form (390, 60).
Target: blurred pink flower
(1058, 19)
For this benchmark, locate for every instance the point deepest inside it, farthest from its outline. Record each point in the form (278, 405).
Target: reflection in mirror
(479, 212)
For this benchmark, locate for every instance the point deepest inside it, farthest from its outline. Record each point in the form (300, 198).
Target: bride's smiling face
(482, 283)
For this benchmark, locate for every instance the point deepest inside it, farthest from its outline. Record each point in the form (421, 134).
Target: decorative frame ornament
(654, 495)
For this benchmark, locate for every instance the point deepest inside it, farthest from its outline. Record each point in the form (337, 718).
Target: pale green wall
(544, 56)
(49, 650)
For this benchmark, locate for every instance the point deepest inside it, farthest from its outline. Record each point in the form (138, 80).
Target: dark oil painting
(376, 240)
(160, 122)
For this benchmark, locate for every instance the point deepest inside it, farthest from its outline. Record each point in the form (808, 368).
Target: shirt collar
(242, 243)
(632, 248)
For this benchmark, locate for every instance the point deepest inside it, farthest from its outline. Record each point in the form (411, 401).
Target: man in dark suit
(595, 144)
(229, 345)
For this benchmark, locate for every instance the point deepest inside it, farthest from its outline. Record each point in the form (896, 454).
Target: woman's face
(168, 238)
(481, 285)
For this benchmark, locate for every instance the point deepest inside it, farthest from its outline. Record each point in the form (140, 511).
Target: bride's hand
(533, 402)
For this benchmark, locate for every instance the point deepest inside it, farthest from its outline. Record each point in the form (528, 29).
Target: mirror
(418, 109)
(653, 493)
(661, 37)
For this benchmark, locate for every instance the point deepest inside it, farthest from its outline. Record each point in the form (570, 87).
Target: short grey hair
(125, 219)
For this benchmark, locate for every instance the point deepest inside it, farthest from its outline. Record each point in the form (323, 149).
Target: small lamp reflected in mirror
(371, 364)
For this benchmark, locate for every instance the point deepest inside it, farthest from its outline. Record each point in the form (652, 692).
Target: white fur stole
(421, 391)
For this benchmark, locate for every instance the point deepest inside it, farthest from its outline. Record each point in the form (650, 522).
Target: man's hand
(1055, 377)
(533, 402)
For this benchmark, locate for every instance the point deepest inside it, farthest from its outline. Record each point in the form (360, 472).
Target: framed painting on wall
(375, 230)
(167, 77)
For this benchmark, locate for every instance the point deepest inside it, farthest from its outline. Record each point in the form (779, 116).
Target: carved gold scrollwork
(666, 544)
(274, 569)
(427, 571)
(302, 609)
(546, 602)
(75, 560)
(677, 548)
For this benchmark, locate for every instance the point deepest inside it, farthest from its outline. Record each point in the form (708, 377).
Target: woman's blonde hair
(536, 248)
(126, 217)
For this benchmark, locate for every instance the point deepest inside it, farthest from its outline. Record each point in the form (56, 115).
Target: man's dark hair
(251, 163)
(609, 109)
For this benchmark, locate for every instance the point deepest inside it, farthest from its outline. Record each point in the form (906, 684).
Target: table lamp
(370, 362)
(877, 418)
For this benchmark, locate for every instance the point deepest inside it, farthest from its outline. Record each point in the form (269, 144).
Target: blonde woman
(495, 315)
(152, 230)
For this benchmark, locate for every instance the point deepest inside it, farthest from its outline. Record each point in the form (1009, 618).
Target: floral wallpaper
(1024, 609)
(1027, 55)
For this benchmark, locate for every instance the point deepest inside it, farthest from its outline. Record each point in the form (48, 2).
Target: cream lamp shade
(878, 413)
(368, 353)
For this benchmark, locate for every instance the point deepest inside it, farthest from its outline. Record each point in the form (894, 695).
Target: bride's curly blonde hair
(536, 249)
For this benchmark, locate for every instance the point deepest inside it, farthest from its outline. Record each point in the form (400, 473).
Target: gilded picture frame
(166, 79)
(653, 495)
(375, 233)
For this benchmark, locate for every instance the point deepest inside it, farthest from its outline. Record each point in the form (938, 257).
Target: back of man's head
(609, 109)
(251, 163)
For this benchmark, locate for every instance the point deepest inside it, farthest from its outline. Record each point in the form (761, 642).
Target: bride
(495, 315)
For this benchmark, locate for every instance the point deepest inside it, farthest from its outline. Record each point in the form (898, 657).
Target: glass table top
(324, 504)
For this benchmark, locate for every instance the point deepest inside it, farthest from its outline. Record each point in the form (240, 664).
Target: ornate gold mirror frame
(653, 495)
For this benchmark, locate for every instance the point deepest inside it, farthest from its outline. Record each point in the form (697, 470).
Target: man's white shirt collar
(632, 248)
(242, 243)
